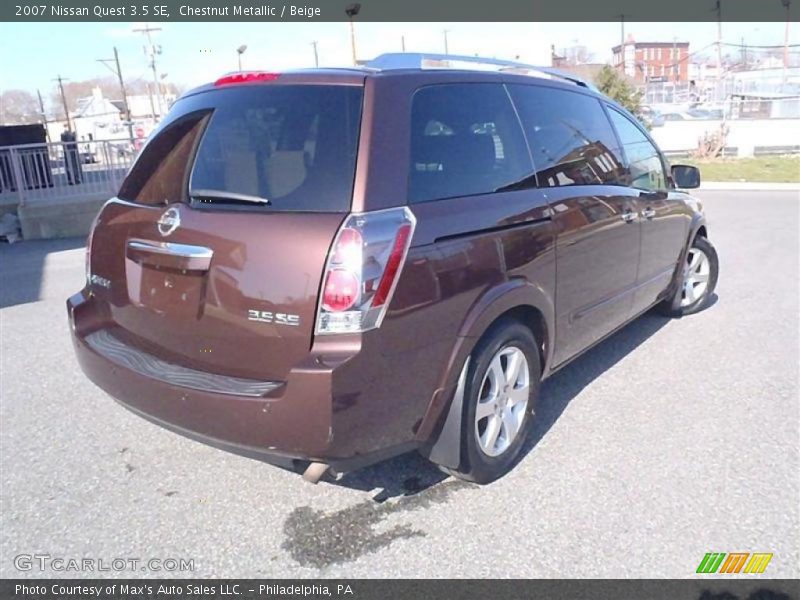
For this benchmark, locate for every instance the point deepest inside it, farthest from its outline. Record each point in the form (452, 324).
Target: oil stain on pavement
(318, 539)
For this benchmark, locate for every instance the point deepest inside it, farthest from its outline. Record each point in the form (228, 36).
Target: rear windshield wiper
(225, 196)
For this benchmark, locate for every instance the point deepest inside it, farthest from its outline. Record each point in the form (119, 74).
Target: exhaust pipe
(315, 471)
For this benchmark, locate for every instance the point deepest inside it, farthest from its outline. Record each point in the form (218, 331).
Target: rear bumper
(289, 425)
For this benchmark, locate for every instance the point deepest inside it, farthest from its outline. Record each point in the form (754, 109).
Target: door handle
(170, 255)
(628, 216)
(649, 213)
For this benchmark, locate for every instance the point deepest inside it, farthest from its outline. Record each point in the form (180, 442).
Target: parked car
(326, 268)
(88, 157)
(694, 114)
(706, 113)
(679, 116)
(651, 117)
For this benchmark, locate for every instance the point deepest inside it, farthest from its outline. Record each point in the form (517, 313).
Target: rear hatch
(212, 255)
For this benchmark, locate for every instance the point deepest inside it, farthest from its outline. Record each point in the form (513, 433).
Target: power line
(706, 47)
(779, 47)
(690, 55)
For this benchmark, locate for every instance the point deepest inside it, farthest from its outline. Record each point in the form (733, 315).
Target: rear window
(294, 145)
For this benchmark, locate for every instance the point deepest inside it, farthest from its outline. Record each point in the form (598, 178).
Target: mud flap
(446, 451)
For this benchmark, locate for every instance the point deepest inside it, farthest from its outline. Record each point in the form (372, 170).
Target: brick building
(653, 61)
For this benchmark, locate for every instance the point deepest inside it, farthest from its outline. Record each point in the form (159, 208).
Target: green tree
(617, 87)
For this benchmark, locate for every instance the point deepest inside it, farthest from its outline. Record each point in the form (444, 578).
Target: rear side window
(160, 173)
(294, 145)
(644, 161)
(465, 140)
(571, 140)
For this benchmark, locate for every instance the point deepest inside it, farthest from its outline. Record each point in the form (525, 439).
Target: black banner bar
(712, 588)
(393, 11)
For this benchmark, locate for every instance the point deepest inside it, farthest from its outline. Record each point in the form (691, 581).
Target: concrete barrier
(746, 135)
(45, 219)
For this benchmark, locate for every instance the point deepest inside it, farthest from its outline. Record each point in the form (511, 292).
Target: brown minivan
(326, 268)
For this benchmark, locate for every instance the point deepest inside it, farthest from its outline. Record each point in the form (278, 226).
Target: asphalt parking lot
(669, 440)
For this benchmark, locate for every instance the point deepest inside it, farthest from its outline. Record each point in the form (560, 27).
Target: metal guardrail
(31, 172)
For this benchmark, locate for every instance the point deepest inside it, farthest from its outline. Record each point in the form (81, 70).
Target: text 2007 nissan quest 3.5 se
(325, 268)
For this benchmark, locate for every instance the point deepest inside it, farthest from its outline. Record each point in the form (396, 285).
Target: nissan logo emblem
(169, 221)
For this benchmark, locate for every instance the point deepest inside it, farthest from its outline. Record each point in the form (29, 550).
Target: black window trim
(203, 118)
(187, 180)
(535, 173)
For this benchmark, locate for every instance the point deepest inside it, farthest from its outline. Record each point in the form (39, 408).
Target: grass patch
(778, 169)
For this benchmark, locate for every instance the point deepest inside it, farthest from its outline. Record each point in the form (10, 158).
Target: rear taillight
(340, 291)
(362, 270)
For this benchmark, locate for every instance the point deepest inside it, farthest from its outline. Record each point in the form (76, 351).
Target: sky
(33, 54)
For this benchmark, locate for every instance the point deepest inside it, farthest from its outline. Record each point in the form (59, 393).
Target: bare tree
(18, 107)
(142, 86)
(75, 90)
(109, 86)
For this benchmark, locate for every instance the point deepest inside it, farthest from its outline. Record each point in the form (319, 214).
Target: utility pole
(316, 55)
(744, 55)
(117, 70)
(44, 115)
(351, 10)
(403, 43)
(675, 65)
(622, 43)
(446, 49)
(150, 94)
(147, 30)
(60, 81)
(239, 51)
(353, 41)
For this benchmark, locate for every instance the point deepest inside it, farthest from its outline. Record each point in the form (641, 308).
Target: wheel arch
(533, 318)
(440, 431)
(697, 228)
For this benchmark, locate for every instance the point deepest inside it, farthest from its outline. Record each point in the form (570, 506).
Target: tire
(702, 277)
(483, 461)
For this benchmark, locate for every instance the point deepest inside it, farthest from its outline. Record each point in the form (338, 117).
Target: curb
(759, 186)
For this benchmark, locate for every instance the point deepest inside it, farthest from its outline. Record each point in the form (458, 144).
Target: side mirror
(686, 176)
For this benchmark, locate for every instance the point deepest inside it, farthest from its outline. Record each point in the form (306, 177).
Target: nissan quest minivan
(326, 268)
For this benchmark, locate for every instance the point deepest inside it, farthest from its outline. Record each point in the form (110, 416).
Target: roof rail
(418, 60)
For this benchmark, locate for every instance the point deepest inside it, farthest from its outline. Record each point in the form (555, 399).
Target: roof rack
(418, 60)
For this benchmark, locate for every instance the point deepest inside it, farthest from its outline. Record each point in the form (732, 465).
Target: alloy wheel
(502, 401)
(696, 274)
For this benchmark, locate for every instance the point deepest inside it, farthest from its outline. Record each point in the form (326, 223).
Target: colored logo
(736, 562)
